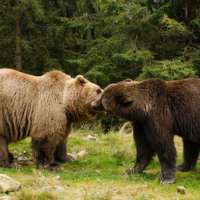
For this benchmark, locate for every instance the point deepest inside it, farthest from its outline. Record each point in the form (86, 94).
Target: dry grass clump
(127, 128)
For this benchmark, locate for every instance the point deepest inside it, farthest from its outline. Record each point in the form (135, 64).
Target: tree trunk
(91, 10)
(190, 48)
(18, 47)
(63, 43)
(190, 36)
(143, 43)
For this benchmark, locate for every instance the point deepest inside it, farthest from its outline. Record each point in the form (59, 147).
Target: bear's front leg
(160, 135)
(145, 152)
(167, 174)
(60, 154)
(44, 153)
(50, 165)
(191, 154)
(166, 152)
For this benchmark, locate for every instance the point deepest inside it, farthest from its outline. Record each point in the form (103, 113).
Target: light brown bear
(43, 108)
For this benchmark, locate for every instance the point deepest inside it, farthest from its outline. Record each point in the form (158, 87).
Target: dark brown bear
(43, 108)
(159, 110)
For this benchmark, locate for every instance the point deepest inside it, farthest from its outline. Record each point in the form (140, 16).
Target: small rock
(114, 188)
(81, 153)
(59, 188)
(98, 180)
(5, 198)
(8, 184)
(47, 188)
(57, 178)
(24, 151)
(89, 137)
(111, 182)
(104, 183)
(144, 185)
(181, 190)
(73, 154)
(175, 198)
(19, 159)
(97, 170)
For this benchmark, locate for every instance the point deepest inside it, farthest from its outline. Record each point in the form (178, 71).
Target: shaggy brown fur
(159, 110)
(44, 108)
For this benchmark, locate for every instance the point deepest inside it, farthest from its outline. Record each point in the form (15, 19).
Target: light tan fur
(44, 108)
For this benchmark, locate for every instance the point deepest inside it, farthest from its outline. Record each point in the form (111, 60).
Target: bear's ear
(128, 80)
(80, 79)
(126, 100)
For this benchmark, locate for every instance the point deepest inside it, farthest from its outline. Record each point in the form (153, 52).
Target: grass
(98, 174)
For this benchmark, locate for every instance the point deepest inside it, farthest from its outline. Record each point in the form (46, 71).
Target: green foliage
(173, 26)
(106, 41)
(168, 70)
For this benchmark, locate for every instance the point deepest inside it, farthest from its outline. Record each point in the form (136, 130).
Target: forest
(106, 41)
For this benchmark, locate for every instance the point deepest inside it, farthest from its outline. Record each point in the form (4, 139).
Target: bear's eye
(99, 91)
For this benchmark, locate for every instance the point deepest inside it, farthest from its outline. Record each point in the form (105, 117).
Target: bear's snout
(97, 106)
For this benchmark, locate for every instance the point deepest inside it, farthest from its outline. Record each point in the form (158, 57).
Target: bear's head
(125, 99)
(83, 93)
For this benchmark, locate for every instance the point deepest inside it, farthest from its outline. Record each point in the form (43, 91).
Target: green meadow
(98, 174)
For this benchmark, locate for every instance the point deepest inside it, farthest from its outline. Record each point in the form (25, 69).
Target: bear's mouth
(98, 107)
(99, 112)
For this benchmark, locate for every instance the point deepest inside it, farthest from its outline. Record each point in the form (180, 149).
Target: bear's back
(189, 87)
(12, 81)
(17, 86)
(26, 101)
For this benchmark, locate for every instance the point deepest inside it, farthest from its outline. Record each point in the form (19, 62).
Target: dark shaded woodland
(104, 40)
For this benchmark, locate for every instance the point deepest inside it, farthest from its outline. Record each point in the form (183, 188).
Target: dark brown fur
(159, 110)
(43, 108)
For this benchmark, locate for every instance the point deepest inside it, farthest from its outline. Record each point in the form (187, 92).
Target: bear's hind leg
(60, 154)
(191, 153)
(6, 158)
(44, 154)
(145, 152)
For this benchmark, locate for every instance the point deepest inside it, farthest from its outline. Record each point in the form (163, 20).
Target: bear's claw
(184, 168)
(167, 181)
(53, 167)
(129, 171)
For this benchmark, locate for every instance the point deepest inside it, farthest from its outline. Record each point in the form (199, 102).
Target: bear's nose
(93, 104)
